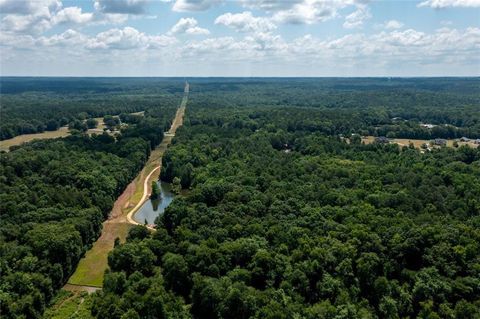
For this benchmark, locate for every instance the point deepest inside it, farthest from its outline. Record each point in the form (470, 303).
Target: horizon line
(240, 77)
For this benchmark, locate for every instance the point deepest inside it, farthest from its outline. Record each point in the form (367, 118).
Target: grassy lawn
(69, 305)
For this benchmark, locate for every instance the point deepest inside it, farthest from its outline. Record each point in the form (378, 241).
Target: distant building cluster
(466, 139)
(440, 142)
(382, 140)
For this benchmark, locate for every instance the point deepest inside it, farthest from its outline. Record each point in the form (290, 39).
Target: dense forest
(286, 220)
(44, 104)
(377, 106)
(55, 196)
(373, 106)
(282, 218)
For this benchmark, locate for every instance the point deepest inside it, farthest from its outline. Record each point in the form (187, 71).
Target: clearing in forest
(417, 143)
(20, 139)
(61, 132)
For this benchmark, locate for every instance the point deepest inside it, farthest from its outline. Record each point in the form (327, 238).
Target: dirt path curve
(146, 193)
(90, 269)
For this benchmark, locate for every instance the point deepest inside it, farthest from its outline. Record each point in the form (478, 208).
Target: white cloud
(245, 22)
(28, 16)
(270, 5)
(38, 16)
(407, 38)
(394, 48)
(121, 39)
(439, 4)
(188, 26)
(194, 5)
(67, 38)
(72, 15)
(127, 38)
(393, 24)
(15, 41)
(26, 7)
(311, 11)
(209, 45)
(266, 41)
(110, 18)
(26, 23)
(356, 19)
(254, 47)
(121, 6)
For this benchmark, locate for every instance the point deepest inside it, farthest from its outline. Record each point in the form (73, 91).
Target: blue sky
(240, 38)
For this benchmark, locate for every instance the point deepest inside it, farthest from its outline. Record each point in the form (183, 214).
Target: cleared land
(90, 270)
(69, 304)
(99, 128)
(61, 132)
(20, 139)
(416, 143)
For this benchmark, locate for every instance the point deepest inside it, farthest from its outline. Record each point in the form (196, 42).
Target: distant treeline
(394, 107)
(37, 105)
(31, 105)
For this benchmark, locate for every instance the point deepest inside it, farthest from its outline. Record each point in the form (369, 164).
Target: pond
(154, 207)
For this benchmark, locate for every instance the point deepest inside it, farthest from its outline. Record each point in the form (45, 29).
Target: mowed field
(61, 132)
(20, 139)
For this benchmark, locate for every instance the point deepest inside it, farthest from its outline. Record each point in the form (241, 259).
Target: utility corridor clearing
(89, 273)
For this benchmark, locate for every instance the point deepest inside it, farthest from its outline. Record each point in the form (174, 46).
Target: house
(382, 140)
(429, 126)
(477, 141)
(440, 142)
(464, 139)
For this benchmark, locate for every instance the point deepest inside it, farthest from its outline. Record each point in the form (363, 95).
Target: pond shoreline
(151, 209)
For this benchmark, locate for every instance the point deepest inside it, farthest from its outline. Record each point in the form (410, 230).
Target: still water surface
(152, 208)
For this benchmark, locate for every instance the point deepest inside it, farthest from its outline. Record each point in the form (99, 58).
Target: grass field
(20, 139)
(61, 132)
(91, 268)
(99, 128)
(69, 305)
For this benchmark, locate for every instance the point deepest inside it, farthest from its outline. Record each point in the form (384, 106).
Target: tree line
(35, 105)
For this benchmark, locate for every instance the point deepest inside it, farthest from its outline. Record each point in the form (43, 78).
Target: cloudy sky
(240, 38)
